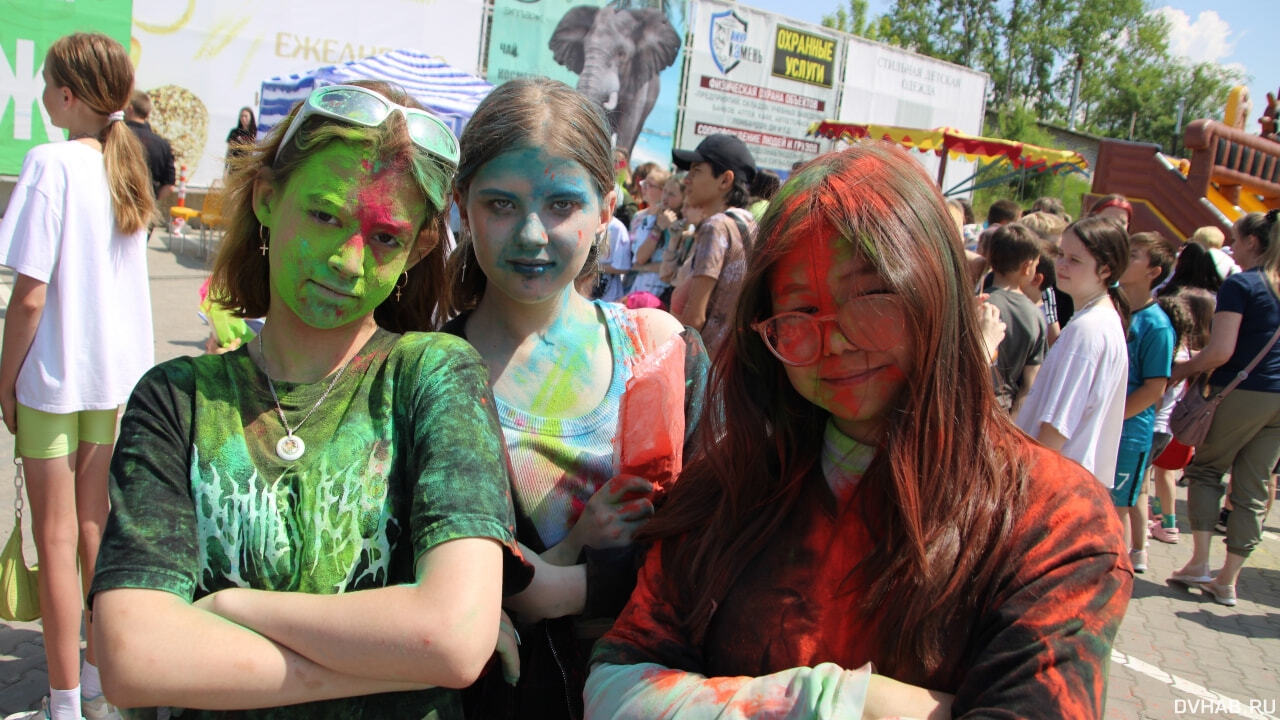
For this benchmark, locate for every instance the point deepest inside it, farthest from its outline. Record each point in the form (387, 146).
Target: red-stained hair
(942, 493)
(1113, 200)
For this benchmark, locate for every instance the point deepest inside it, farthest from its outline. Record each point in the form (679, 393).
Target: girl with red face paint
(316, 524)
(859, 500)
(535, 189)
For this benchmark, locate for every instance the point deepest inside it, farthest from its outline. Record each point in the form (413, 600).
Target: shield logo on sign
(728, 35)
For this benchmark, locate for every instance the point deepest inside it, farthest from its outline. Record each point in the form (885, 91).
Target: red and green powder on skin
(820, 273)
(342, 229)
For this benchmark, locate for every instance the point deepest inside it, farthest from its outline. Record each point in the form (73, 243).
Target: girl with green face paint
(536, 192)
(319, 519)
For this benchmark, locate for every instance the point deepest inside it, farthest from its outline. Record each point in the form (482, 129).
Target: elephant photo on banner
(618, 54)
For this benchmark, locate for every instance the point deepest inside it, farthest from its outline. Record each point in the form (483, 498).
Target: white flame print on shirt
(324, 529)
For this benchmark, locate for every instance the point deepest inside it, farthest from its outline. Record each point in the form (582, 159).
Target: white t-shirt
(94, 340)
(645, 224)
(1080, 390)
(1171, 395)
(619, 259)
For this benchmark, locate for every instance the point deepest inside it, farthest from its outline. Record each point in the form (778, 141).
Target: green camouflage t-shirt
(403, 454)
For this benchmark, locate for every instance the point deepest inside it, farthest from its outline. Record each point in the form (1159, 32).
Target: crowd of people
(683, 442)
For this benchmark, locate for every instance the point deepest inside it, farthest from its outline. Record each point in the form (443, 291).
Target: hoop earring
(404, 280)
(264, 236)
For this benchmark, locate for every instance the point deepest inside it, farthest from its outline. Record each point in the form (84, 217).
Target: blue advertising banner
(761, 77)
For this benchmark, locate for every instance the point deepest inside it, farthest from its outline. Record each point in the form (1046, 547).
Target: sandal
(1222, 594)
(1189, 579)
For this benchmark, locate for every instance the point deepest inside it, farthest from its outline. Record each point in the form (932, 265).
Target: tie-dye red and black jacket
(1038, 648)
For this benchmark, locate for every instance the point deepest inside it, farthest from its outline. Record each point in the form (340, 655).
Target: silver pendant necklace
(290, 447)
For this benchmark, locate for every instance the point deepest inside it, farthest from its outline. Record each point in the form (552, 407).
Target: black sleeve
(168, 176)
(151, 537)
(611, 576)
(461, 474)
(1042, 648)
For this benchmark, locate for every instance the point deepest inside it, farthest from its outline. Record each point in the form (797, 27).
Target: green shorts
(43, 435)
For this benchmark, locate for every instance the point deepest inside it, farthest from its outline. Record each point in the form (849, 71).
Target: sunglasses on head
(361, 106)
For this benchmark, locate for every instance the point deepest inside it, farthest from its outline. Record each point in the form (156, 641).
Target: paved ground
(1178, 654)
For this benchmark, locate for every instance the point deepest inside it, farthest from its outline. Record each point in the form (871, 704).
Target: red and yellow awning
(958, 145)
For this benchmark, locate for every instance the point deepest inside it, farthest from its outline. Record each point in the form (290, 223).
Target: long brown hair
(97, 71)
(241, 280)
(526, 112)
(941, 494)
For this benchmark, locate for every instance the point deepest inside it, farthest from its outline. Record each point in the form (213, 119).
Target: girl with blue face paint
(535, 190)
(317, 523)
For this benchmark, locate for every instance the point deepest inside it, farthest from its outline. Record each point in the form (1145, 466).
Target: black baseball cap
(723, 152)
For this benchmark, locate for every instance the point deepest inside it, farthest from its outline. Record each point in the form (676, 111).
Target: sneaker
(1222, 594)
(1165, 535)
(1139, 560)
(41, 714)
(1221, 525)
(98, 709)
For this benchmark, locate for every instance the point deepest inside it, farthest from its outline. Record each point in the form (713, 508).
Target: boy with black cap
(709, 279)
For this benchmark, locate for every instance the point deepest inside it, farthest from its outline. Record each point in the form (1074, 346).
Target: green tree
(854, 20)
(1031, 49)
(965, 32)
(1138, 95)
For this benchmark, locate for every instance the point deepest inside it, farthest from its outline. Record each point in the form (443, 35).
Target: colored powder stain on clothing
(559, 392)
(563, 363)
(1046, 620)
(663, 679)
(559, 463)
(353, 513)
(576, 506)
(299, 527)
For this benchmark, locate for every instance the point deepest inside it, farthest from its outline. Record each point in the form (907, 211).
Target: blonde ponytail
(97, 70)
(128, 178)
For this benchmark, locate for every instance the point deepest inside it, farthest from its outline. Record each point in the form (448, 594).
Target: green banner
(519, 35)
(28, 29)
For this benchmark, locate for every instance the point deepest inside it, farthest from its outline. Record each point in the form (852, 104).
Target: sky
(1231, 32)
